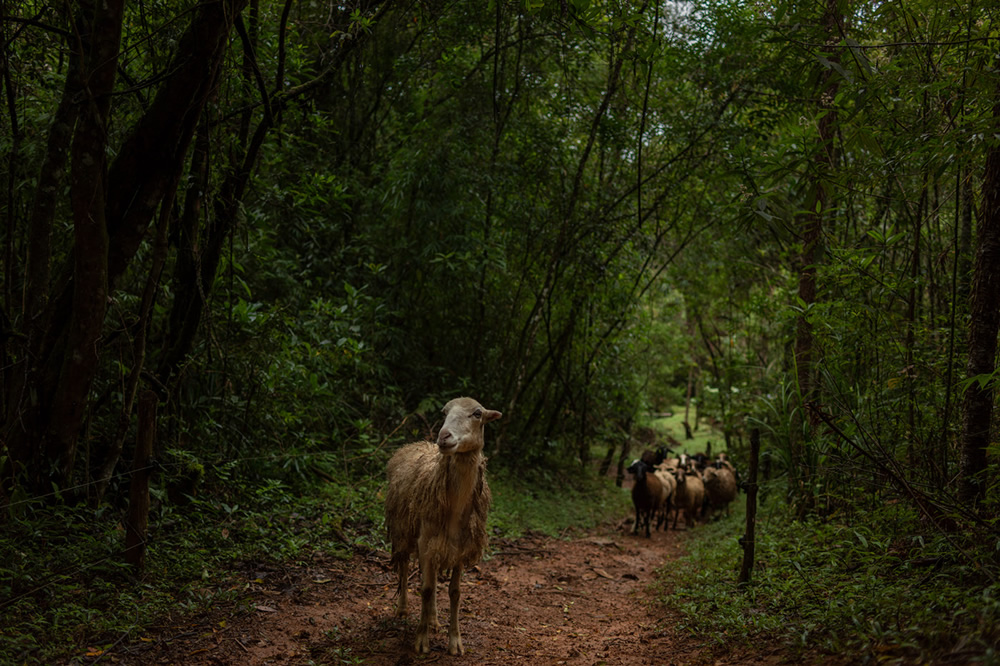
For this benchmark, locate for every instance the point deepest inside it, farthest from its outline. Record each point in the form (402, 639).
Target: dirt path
(538, 600)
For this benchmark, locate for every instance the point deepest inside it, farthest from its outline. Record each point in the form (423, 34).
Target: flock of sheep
(692, 485)
(437, 501)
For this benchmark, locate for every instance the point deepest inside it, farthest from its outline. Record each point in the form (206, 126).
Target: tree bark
(984, 321)
(90, 278)
(811, 224)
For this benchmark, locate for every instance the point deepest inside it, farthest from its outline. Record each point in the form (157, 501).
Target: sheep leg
(454, 596)
(403, 571)
(428, 605)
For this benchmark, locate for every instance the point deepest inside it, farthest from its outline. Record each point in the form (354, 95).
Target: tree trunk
(811, 224)
(51, 178)
(984, 311)
(749, 536)
(687, 404)
(88, 188)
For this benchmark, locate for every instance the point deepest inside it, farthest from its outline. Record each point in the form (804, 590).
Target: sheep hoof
(423, 644)
(455, 646)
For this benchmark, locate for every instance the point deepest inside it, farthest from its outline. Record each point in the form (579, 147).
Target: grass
(548, 502)
(875, 588)
(704, 436)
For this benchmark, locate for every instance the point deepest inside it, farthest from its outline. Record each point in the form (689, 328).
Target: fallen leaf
(603, 574)
(322, 581)
(266, 609)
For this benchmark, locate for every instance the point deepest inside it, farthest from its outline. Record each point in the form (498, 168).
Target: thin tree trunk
(811, 224)
(749, 536)
(138, 505)
(687, 404)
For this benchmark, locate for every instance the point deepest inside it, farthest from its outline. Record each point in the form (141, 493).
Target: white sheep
(669, 483)
(435, 506)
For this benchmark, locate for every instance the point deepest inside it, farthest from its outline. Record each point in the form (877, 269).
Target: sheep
(435, 506)
(655, 458)
(700, 461)
(720, 486)
(648, 494)
(723, 459)
(666, 477)
(689, 496)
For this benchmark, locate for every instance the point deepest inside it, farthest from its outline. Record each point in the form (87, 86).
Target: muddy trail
(537, 600)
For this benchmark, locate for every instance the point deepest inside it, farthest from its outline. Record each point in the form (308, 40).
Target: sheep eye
(478, 414)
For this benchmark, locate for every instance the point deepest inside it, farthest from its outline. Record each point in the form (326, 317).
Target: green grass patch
(871, 589)
(704, 435)
(548, 502)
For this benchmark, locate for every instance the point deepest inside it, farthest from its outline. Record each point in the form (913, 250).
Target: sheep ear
(490, 415)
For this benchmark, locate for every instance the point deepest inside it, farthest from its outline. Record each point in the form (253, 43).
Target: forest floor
(589, 599)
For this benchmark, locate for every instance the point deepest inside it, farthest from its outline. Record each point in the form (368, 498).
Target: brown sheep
(720, 486)
(435, 506)
(689, 496)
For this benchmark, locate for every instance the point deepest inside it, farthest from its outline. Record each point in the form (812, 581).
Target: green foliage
(877, 586)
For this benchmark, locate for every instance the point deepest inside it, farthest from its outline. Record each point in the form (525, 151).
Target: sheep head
(462, 431)
(680, 475)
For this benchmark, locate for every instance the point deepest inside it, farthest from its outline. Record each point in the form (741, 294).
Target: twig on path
(522, 551)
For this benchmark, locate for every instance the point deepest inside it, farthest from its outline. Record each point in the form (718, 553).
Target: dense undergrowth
(65, 592)
(875, 587)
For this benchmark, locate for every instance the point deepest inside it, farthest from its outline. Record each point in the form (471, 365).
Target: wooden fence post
(747, 541)
(138, 503)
